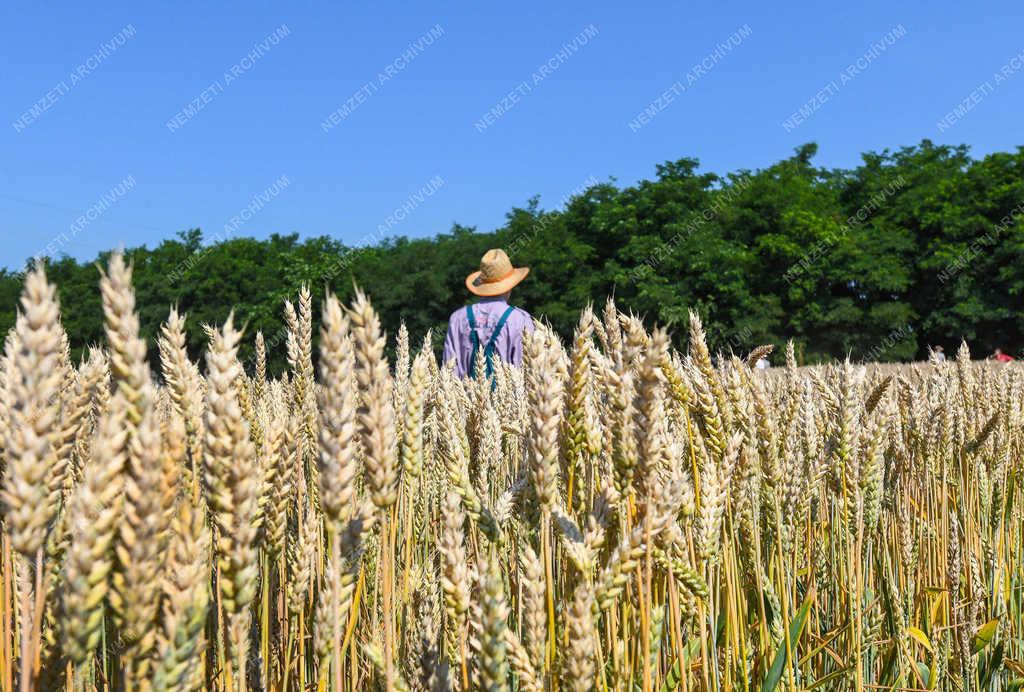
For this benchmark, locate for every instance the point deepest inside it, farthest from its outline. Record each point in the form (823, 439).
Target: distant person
(938, 355)
(1002, 357)
(762, 363)
(490, 323)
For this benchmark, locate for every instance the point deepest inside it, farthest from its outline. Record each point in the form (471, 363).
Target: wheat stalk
(614, 514)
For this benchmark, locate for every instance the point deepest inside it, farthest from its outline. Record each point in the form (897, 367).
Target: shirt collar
(495, 299)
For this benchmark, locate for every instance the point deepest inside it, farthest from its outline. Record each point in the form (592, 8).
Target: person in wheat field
(490, 324)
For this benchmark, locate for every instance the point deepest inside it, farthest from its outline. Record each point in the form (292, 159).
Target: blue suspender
(491, 343)
(474, 338)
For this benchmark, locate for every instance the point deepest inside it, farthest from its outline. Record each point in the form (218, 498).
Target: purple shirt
(486, 312)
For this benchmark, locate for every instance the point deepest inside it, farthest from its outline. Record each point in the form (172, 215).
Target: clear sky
(123, 123)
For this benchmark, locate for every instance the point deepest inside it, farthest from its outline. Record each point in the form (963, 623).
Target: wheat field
(614, 515)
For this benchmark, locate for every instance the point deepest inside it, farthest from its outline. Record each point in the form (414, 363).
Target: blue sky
(99, 148)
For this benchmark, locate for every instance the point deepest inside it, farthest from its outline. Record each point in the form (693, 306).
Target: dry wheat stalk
(339, 458)
(181, 636)
(232, 487)
(93, 516)
(34, 473)
(376, 416)
(613, 515)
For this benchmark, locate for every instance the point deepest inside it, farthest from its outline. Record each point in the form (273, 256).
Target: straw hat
(496, 275)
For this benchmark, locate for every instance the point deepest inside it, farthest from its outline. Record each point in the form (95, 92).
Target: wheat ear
(181, 636)
(34, 476)
(232, 486)
(339, 462)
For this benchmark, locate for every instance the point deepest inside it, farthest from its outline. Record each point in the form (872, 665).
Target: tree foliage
(913, 248)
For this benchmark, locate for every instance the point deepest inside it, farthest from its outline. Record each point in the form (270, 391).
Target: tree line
(913, 248)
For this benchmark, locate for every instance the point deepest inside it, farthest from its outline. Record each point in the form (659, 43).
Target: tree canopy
(913, 248)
